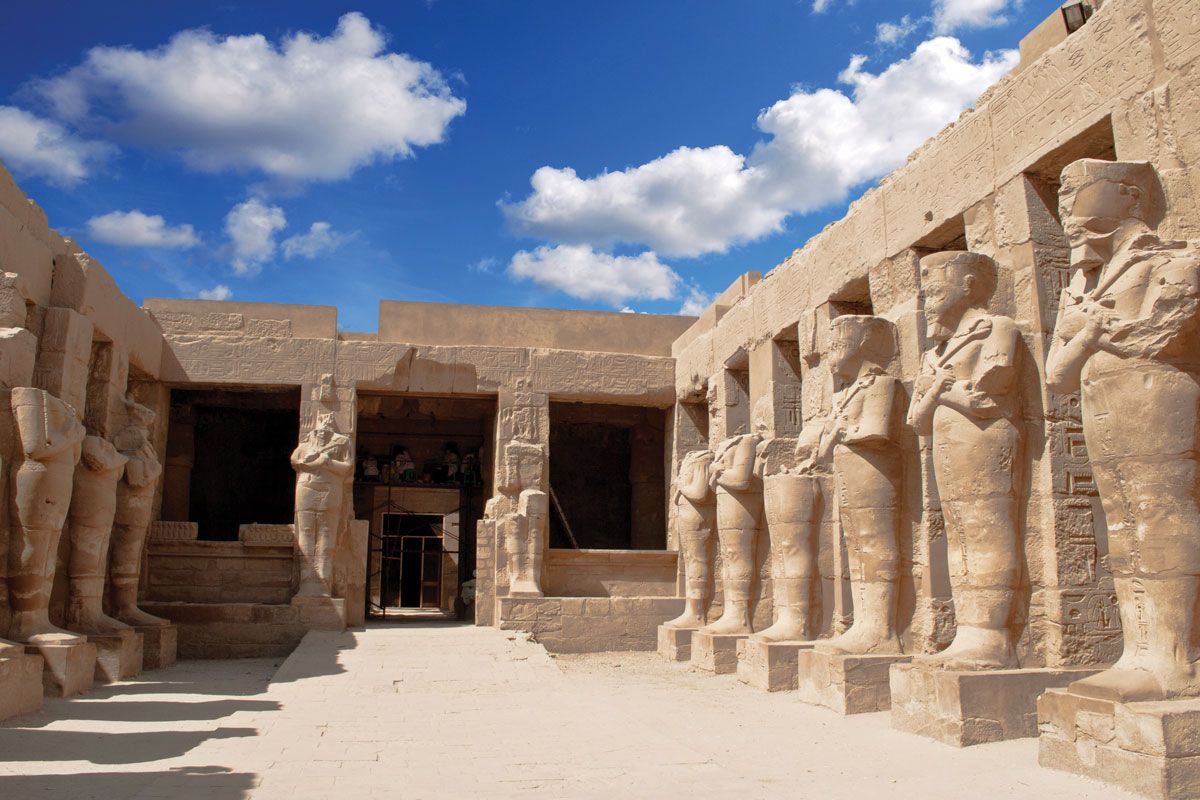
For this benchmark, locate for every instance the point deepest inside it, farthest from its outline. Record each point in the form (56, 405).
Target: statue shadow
(215, 783)
(96, 747)
(151, 711)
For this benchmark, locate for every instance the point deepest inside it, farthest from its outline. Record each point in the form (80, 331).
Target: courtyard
(442, 710)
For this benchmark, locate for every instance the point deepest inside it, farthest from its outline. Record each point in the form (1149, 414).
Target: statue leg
(737, 550)
(874, 559)
(308, 536)
(694, 545)
(792, 524)
(125, 567)
(87, 569)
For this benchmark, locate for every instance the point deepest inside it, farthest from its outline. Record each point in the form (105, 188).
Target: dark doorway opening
(413, 561)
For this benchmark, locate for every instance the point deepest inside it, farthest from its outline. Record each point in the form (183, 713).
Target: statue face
(1091, 216)
(944, 293)
(844, 345)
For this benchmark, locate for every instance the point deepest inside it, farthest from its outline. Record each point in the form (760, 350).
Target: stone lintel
(69, 668)
(848, 684)
(716, 652)
(770, 666)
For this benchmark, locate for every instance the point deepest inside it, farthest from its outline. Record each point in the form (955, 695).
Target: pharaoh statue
(693, 500)
(524, 529)
(50, 437)
(93, 507)
(791, 506)
(860, 437)
(965, 396)
(135, 507)
(739, 512)
(322, 461)
(1128, 337)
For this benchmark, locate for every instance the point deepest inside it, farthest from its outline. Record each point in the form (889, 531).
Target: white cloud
(823, 143)
(136, 229)
(484, 265)
(306, 108)
(35, 146)
(582, 272)
(251, 227)
(696, 302)
(320, 239)
(218, 292)
(888, 33)
(950, 15)
(820, 6)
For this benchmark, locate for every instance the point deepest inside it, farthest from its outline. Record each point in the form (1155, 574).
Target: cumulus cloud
(950, 15)
(32, 145)
(306, 108)
(822, 143)
(820, 6)
(251, 227)
(136, 229)
(889, 33)
(320, 239)
(695, 302)
(218, 292)
(582, 272)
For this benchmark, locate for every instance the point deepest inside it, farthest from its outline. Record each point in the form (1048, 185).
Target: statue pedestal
(770, 666)
(69, 668)
(964, 708)
(319, 613)
(1151, 749)
(675, 644)
(846, 684)
(160, 645)
(20, 683)
(118, 656)
(716, 652)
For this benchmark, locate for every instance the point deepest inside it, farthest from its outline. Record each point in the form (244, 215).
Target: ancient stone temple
(942, 460)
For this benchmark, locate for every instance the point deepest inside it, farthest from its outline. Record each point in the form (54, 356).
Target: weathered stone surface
(160, 645)
(770, 666)
(70, 669)
(20, 685)
(118, 656)
(675, 644)
(716, 652)
(848, 684)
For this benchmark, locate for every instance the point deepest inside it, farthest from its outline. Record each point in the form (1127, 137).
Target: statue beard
(937, 330)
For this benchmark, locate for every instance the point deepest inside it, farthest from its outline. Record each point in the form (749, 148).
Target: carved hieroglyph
(322, 461)
(524, 529)
(861, 438)
(93, 507)
(739, 513)
(51, 437)
(966, 397)
(1128, 336)
(791, 506)
(694, 512)
(135, 507)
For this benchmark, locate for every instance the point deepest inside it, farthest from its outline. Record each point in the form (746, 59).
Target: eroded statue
(93, 508)
(51, 438)
(966, 397)
(322, 461)
(1128, 337)
(524, 527)
(861, 439)
(694, 511)
(135, 508)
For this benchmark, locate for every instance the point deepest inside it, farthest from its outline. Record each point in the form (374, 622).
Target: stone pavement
(435, 710)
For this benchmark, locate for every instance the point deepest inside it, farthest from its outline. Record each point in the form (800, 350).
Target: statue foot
(728, 624)
(973, 650)
(98, 624)
(1136, 684)
(687, 621)
(783, 630)
(35, 629)
(136, 617)
(862, 642)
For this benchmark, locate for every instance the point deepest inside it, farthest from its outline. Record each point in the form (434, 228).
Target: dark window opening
(950, 235)
(1045, 174)
(853, 298)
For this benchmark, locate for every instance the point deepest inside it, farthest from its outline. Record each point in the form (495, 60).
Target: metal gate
(411, 564)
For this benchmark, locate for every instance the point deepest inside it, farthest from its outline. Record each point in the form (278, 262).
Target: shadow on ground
(212, 783)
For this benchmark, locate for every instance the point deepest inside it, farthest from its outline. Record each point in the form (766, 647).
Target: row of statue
(1127, 337)
(106, 491)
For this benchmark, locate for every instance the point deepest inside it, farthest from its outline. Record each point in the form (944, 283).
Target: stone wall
(591, 624)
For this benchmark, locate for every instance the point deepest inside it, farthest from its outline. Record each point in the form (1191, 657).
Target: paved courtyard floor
(439, 710)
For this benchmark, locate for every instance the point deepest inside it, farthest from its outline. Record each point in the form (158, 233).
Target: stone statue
(965, 396)
(322, 461)
(739, 512)
(1128, 336)
(860, 437)
(791, 505)
(93, 507)
(693, 500)
(135, 508)
(524, 542)
(51, 437)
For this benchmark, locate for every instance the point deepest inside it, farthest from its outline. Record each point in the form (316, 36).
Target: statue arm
(996, 369)
(739, 476)
(874, 424)
(926, 389)
(696, 488)
(1170, 308)
(1069, 350)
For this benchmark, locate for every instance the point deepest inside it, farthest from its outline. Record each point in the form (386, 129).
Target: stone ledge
(232, 630)
(589, 624)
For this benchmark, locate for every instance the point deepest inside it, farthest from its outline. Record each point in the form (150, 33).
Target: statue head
(139, 416)
(1101, 203)
(326, 429)
(694, 459)
(761, 416)
(856, 340)
(952, 282)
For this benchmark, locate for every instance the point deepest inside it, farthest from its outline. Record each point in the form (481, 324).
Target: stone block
(163, 531)
(716, 652)
(675, 644)
(160, 645)
(964, 708)
(118, 656)
(770, 666)
(20, 685)
(259, 534)
(846, 684)
(1151, 749)
(69, 668)
(321, 613)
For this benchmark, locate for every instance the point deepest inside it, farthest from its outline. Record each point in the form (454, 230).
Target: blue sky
(345, 153)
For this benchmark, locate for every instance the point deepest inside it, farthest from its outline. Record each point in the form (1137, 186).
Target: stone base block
(69, 668)
(118, 656)
(716, 652)
(160, 645)
(321, 613)
(846, 684)
(1151, 749)
(770, 666)
(20, 684)
(964, 708)
(675, 644)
